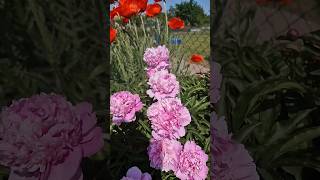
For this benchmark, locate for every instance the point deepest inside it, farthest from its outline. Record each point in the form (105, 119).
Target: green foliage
(270, 97)
(191, 12)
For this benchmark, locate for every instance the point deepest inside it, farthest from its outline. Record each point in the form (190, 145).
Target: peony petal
(181, 132)
(81, 177)
(88, 118)
(134, 173)
(146, 176)
(93, 142)
(68, 169)
(15, 176)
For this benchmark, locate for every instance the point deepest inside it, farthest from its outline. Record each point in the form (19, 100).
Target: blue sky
(204, 3)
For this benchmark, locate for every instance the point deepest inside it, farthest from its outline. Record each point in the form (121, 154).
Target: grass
(191, 43)
(194, 43)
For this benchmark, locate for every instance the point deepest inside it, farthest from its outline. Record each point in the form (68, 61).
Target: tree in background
(191, 12)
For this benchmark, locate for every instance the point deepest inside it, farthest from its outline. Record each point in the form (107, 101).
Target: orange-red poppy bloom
(113, 34)
(176, 23)
(114, 12)
(128, 8)
(197, 58)
(125, 20)
(153, 9)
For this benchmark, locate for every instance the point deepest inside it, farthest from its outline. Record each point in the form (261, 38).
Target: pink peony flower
(230, 160)
(192, 163)
(123, 106)
(235, 163)
(155, 57)
(152, 70)
(163, 85)
(221, 140)
(45, 137)
(135, 173)
(163, 154)
(215, 82)
(168, 118)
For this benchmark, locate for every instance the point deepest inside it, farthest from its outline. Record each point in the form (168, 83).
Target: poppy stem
(159, 31)
(166, 20)
(143, 27)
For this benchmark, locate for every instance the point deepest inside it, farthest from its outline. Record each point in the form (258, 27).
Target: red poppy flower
(128, 8)
(125, 20)
(197, 58)
(176, 23)
(143, 5)
(113, 34)
(153, 9)
(114, 12)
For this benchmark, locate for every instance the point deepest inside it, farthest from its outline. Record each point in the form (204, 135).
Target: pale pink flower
(163, 85)
(192, 163)
(168, 118)
(215, 82)
(230, 160)
(123, 106)
(134, 173)
(155, 57)
(44, 137)
(163, 154)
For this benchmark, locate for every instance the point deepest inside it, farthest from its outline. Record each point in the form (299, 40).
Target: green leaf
(295, 171)
(283, 130)
(265, 174)
(245, 131)
(250, 97)
(315, 73)
(305, 135)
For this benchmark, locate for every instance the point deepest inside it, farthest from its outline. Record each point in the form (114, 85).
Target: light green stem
(143, 27)
(166, 20)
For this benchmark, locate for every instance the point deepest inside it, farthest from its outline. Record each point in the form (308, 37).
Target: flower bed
(160, 112)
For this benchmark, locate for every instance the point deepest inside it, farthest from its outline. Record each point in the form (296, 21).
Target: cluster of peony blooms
(46, 137)
(168, 118)
(230, 159)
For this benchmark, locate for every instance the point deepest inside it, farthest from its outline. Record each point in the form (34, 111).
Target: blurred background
(270, 57)
(60, 47)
